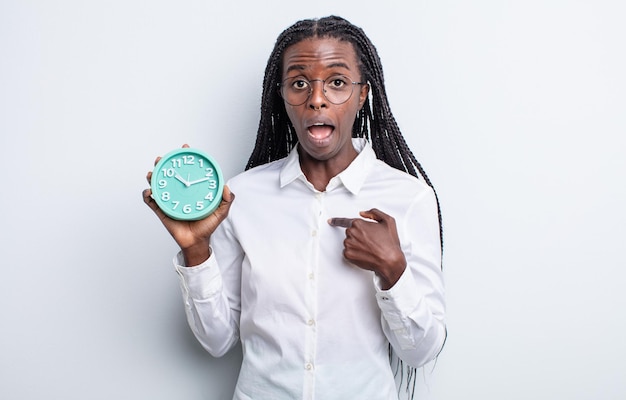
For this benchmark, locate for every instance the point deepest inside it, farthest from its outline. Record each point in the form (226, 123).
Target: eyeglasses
(337, 89)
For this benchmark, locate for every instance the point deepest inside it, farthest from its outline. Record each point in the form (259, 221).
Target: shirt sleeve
(413, 309)
(211, 297)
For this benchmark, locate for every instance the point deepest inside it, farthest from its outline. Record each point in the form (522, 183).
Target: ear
(363, 93)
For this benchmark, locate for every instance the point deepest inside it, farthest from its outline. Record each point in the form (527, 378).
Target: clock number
(188, 160)
(209, 172)
(162, 183)
(201, 162)
(209, 196)
(176, 163)
(176, 203)
(199, 205)
(168, 172)
(187, 208)
(165, 196)
(212, 184)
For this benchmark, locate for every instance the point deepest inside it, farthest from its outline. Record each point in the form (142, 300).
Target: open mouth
(320, 131)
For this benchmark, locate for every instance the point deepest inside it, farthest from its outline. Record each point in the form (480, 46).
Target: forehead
(314, 54)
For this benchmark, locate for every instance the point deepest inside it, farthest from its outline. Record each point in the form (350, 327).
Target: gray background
(515, 108)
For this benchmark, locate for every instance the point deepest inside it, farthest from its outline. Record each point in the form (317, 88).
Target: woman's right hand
(192, 237)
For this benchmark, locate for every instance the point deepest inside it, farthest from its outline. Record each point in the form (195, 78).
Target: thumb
(374, 214)
(227, 200)
(227, 195)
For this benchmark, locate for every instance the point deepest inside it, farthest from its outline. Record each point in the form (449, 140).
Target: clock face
(187, 184)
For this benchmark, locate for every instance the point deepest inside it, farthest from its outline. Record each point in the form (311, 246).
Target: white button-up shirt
(313, 325)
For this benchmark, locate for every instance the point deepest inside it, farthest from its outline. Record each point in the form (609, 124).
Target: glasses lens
(338, 89)
(296, 91)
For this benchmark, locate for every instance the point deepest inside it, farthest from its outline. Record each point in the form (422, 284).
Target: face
(324, 129)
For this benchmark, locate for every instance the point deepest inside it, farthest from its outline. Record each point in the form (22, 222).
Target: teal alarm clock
(187, 184)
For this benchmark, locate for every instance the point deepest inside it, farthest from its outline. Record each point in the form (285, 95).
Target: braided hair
(276, 136)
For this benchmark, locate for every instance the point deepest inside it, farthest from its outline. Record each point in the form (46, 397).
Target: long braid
(375, 122)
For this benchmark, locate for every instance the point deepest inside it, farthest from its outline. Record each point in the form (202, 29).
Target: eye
(337, 82)
(299, 84)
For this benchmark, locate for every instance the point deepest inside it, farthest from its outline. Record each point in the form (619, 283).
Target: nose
(317, 98)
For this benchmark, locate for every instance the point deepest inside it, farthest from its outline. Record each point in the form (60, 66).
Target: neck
(320, 172)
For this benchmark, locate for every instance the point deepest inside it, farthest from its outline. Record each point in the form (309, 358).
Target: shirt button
(310, 322)
(311, 276)
(308, 366)
(314, 233)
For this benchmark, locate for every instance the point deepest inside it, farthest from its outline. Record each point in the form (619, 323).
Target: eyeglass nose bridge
(311, 89)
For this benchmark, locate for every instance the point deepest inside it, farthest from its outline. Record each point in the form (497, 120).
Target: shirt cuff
(399, 300)
(201, 281)
(396, 304)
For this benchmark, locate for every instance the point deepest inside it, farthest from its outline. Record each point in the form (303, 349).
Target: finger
(146, 193)
(227, 200)
(156, 161)
(227, 195)
(222, 211)
(185, 146)
(149, 177)
(341, 222)
(147, 198)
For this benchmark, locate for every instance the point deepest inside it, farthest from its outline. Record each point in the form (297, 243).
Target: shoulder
(392, 180)
(260, 176)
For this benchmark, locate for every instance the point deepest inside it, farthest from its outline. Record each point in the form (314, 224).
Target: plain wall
(515, 108)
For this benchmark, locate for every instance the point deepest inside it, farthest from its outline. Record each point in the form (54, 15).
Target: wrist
(394, 269)
(389, 278)
(196, 254)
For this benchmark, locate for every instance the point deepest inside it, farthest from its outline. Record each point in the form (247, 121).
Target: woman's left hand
(373, 244)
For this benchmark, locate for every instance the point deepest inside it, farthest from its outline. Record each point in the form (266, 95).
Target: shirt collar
(352, 177)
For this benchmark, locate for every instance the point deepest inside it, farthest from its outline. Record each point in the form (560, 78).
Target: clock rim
(218, 195)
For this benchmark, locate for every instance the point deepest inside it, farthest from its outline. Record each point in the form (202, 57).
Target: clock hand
(180, 178)
(198, 181)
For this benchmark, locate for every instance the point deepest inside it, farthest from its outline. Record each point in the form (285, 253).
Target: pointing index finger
(341, 222)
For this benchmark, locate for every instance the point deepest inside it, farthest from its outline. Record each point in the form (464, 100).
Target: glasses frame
(281, 85)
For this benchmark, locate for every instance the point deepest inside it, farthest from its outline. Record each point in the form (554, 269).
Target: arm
(413, 310)
(212, 313)
(211, 294)
(407, 265)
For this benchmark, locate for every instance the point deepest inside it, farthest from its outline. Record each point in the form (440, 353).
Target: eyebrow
(302, 67)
